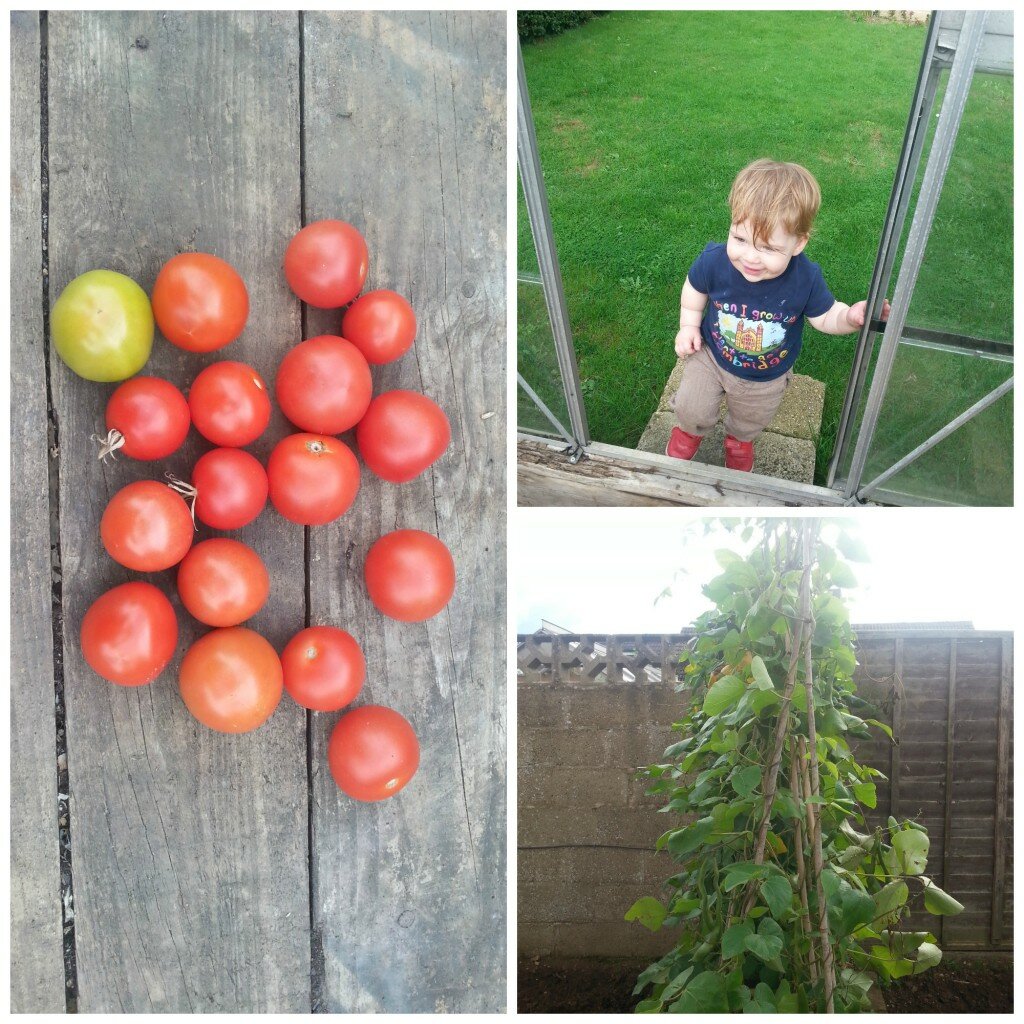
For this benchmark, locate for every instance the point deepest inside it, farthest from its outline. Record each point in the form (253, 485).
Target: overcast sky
(600, 570)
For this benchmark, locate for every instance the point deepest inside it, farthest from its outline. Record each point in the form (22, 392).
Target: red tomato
(230, 404)
(231, 488)
(200, 302)
(324, 668)
(231, 680)
(129, 634)
(323, 385)
(402, 433)
(223, 582)
(147, 527)
(381, 325)
(373, 752)
(410, 575)
(326, 263)
(147, 418)
(313, 479)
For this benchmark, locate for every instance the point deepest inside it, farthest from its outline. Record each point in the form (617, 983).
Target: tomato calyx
(187, 491)
(316, 447)
(109, 444)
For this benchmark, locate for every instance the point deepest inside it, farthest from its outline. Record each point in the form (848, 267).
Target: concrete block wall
(586, 830)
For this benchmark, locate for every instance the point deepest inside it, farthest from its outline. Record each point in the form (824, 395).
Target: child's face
(767, 259)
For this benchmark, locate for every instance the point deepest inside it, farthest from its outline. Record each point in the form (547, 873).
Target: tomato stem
(110, 443)
(187, 491)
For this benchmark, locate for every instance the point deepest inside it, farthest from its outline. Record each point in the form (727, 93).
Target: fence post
(897, 728)
(1002, 778)
(947, 826)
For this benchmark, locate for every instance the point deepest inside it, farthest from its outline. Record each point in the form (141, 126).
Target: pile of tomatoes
(232, 679)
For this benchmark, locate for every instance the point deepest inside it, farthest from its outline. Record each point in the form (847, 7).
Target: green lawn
(643, 120)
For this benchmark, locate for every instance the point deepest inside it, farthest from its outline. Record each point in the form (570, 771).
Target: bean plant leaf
(723, 694)
(928, 955)
(650, 912)
(852, 547)
(889, 901)
(912, 850)
(740, 874)
(762, 680)
(866, 794)
(746, 780)
(704, 994)
(767, 943)
(735, 938)
(676, 985)
(778, 894)
(688, 839)
(938, 902)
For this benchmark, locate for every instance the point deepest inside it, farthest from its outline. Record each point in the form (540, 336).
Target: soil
(977, 985)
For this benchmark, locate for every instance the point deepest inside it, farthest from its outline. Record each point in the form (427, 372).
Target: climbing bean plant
(785, 898)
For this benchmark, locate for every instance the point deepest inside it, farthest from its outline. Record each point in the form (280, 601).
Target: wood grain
(37, 968)
(405, 138)
(190, 848)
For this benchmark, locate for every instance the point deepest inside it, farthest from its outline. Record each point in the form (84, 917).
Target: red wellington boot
(682, 445)
(739, 454)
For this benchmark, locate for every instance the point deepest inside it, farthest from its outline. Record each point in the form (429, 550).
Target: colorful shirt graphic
(755, 329)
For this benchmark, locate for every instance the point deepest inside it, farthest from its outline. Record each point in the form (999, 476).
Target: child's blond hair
(769, 194)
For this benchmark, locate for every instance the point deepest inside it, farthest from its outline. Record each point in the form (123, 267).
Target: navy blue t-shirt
(754, 329)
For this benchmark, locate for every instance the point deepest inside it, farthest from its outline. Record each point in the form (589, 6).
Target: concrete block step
(785, 450)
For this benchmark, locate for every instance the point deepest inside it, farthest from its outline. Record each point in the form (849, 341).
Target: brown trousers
(751, 404)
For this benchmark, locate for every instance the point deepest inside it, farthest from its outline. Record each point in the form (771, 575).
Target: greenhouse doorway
(927, 418)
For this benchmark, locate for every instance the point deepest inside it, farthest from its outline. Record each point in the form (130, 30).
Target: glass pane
(970, 467)
(928, 389)
(538, 363)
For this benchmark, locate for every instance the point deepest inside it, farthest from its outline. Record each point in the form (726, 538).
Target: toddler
(742, 311)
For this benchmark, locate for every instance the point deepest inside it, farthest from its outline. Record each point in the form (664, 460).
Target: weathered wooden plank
(37, 968)
(950, 754)
(610, 476)
(174, 131)
(405, 127)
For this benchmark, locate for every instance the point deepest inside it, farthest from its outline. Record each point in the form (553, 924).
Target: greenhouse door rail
(532, 178)
(971, 49)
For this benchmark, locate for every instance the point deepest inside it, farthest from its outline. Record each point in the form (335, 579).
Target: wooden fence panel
(946, 693)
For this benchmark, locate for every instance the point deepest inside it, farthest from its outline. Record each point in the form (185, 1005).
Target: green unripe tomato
(102, 326)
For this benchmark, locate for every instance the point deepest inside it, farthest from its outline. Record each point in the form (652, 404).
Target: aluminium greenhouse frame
(960, 41)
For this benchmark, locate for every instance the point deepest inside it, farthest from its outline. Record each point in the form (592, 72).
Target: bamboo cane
(796, 786)
(827, 962)
(771, 778)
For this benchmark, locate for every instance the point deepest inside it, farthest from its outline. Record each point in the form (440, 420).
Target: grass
(643, 120)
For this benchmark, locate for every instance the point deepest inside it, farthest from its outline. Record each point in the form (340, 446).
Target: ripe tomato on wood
(223, 582)
(129, 634)
(102, 326)
(323, 385)
(230, 404)
(147, 418)
(410, 575)
(147, 527)
(402, 433)
(200, 302)
(381, 325)
(231, 488)
(326, 263)
(313, 478)
(231, 680)
(324, 668)
(373, 752)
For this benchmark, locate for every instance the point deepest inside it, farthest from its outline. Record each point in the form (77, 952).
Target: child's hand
(858, 311)
(687, 341)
